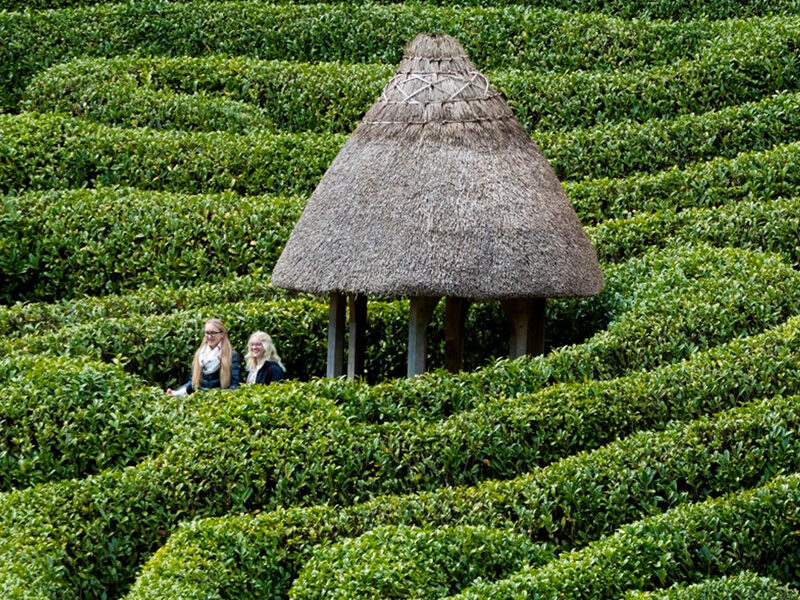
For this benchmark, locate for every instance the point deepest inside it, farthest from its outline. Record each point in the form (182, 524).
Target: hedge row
(63, 244)
(413, 562)
(744, 586)
(622, 149)
(753, 530)
(653, 9)
(355, 569)
(543, 39)
(62, 418)
(210, 93)
(767, 225)
(752, 175)
(571, 502)
(213, 92)
(42, 317)
(52, 151)
(608, 150)
(234, 460)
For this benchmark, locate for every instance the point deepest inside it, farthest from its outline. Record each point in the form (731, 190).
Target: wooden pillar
(336, 318)
(421, 312)
(454, 318)
(527, 326)
(357, 339)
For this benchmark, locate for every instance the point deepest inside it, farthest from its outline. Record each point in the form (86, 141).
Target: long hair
(270, 352)
(225, 356)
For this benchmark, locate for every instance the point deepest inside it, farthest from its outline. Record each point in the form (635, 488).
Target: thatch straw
(440, 192)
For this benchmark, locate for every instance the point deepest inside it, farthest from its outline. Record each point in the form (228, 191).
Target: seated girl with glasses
(262, 363)
(216, 364)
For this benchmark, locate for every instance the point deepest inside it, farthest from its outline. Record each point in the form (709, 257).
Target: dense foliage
(154, 157)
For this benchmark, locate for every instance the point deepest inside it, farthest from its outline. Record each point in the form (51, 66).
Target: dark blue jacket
(212, 379)
(269, 372)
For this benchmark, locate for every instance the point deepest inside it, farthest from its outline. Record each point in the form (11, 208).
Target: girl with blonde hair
(216, 364)
(262, 363)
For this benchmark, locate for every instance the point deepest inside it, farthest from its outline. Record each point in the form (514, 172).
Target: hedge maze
(154, 157)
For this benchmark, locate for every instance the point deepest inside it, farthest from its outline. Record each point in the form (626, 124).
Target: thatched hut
(439, 191)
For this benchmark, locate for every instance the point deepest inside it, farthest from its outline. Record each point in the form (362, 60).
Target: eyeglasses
(212, 333)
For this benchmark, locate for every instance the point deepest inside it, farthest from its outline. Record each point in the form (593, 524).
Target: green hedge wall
(56, 151)
(62, 244)
(411, 562)
(24, 318)
(745, 586)
(62, 418)
(160, 348)
(543, 39)
(244, 455)
(619, 150)
(210, 93)
(751, 530)
(751, 175)
(52, 151)
(240, 93)
(731, 292)
(654, 9)
(353, 569)
(768, 225)
(42, 258)
(573, 501)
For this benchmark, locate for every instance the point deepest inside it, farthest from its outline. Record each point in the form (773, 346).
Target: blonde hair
(225, 357)
(270, 352)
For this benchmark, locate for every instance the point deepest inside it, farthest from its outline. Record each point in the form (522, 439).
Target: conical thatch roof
(440, 192)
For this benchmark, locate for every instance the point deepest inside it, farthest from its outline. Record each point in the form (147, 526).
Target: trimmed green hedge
(653, 9)
(573, 501)
(159, 348)
(622, 149)
(563, 101)
(752, 175)
(56, 151)
(210, 93)
(353, 569)
(753, 530)
(410, 562)
(768, 225)
(543, 39)
(62, 418)
(63, 244)
(42, 317)
(235, 460)
(238, 94)
(745, 586)
(53, 151)
(640, 321)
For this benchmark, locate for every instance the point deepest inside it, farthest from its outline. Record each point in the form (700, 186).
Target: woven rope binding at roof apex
(468, 86)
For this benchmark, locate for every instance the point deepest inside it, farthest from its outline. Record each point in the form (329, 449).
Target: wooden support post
(454, 318)
(421, 312)
(527, 325)
(336, 317)
(358, 335)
